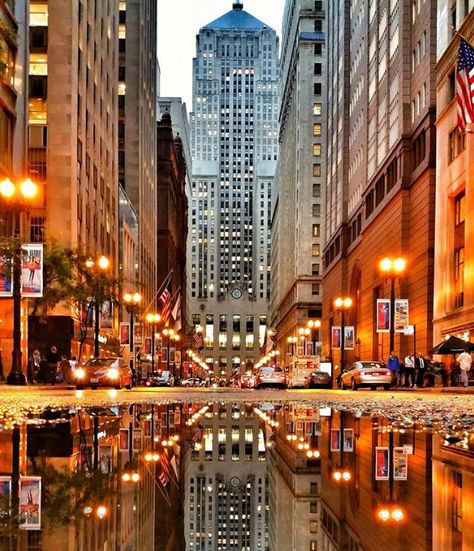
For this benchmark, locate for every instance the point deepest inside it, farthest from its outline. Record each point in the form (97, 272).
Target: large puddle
(246, 476)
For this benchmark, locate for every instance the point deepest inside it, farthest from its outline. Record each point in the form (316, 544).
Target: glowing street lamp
(18, 196)
(153, 319)
(392, 269)
(343, 305)
(103, 264)
(132, 302)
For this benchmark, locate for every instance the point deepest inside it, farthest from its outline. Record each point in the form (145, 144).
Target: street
(418, 405)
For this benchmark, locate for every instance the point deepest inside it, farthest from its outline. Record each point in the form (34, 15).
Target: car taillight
(388, 372)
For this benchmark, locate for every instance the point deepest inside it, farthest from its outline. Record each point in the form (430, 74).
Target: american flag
(199, 341)
(198, 433)
(164, 476)
(165, 299)
(465, 85)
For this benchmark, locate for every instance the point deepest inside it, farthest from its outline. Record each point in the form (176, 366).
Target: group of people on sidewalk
(411, 372)
(53, 368)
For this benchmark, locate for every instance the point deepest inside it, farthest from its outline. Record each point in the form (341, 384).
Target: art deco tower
(235, 149)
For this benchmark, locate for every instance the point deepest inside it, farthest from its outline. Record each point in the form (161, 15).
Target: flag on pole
(198, 433)
(165, 299)
(465, 85)
(164, 476)
(269, 344)
(176, 313)
(199, 341)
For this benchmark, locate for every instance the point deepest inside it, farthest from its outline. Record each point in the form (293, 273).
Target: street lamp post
(103, 264)
(132, 301)
(342, 305)
(392, 269)
(314, 325)
(153, 320)
(304, 333)
(292, 342)
(18, 197)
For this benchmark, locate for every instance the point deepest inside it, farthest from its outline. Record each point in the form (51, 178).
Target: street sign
(409, 330)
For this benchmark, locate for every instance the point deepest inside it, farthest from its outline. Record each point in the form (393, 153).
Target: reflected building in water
(349, 509)
(226, 481)
(295, 480)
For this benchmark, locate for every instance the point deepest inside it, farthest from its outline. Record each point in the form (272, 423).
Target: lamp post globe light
(392, 268)
(17, 197)
(132, 301)
(153, 319)
(98, 268)
(343, 304)
(314, 326)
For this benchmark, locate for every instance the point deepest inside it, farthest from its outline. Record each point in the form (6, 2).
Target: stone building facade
(380, 168)
(454, 243)
(298, 198)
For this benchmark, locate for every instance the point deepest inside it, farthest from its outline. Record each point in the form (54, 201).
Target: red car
(108, 372)
(247, 381)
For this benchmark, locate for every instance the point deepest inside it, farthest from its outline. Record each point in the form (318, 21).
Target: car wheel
(373, 387)
(79, 387)
(117, 387)
(129, 387)
(354, 385)
(94, 387)
(386, 387)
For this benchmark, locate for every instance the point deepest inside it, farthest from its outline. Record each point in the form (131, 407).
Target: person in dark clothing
(52, 358)
(393, 365)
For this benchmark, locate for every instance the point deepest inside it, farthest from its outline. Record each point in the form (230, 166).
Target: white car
(366, 373)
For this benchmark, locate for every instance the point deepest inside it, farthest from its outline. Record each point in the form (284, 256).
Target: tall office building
(137, 92)
(380, 167)
(297, 228)
(226, 497)
(454, 228)
(72, 132)
(235, 149)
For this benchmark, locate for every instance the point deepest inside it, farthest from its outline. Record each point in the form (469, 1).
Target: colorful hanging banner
(383, 315)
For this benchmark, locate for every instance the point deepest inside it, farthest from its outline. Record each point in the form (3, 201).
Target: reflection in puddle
(234, 476)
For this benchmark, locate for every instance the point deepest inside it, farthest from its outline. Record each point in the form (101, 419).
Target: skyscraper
(297, 229)
(235, 149)
(380, 168)
(137, 92)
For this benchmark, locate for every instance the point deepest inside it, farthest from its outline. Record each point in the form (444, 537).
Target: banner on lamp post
(30, 502)
(32, 270)
(401, 315)
(349, 337)
(6, 276)
(383, 315)
(335, 337)
(400, 463)
(124, 334)
(382, 463)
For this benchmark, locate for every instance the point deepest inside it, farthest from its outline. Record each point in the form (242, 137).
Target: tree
(68, 280)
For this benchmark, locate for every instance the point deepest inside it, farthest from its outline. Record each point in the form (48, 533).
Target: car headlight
(113, 373)
(80, 373)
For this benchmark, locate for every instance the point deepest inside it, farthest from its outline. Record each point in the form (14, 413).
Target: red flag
(199, 341)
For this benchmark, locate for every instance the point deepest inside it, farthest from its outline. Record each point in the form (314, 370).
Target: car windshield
(267, 370)
(368, 365)
(318, 373)
(101, 362)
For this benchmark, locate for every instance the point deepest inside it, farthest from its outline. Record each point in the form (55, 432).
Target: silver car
(366, 373)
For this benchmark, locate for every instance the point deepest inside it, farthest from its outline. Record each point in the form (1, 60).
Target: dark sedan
(318, 379)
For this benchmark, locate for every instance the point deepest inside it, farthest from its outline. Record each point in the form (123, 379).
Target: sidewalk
(436, 389)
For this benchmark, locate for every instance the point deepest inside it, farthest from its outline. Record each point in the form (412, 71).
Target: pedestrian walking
(465, 361)
(410, 370)
(52, 359)
(65, 370)
(419, 370)
(393, 365)
(34, 364)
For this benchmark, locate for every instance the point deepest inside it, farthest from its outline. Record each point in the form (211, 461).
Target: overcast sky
(178, 23)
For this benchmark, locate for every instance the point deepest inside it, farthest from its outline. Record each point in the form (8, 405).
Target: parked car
(271, 376)
(193, 381)
(105, 372)
(366, 373)
(247, 381)
(163, 378)
(318, 379)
